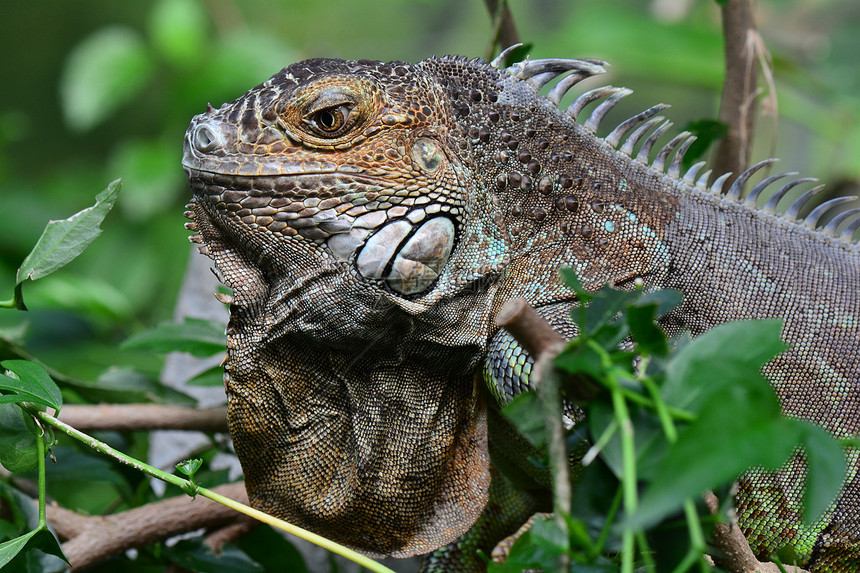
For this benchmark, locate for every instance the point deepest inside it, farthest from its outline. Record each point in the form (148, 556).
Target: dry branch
(137, 417)
(504, 29)
(735, 554)
(93, 539)
(528, 327)
(740, 87)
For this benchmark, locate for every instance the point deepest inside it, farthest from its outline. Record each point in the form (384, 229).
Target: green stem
(600, 443)
(17, 300)
(607, 526)
(697, 536)
(628, 451)
(661, 409)
(640, 400)
(40, 452)
(645, 551)
(628, 547)
(295, 530)
(189, 486)
(697, 540)
(628, 477)
(779, 564)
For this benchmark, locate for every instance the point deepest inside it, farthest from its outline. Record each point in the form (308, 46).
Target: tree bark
(93, 539)
(738, 103)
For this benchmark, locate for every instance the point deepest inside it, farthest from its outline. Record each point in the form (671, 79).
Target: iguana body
(371, 219)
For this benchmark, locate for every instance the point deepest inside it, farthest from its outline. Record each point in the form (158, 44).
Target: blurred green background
(96, 90)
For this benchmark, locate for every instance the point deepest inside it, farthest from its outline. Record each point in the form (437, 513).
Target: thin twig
(195, 490)
(541, 341)
(231, 532)
(504, 29)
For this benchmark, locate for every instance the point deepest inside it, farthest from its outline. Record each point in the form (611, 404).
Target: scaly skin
(372, 218)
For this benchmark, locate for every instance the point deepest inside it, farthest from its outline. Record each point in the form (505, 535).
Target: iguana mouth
(401, 249)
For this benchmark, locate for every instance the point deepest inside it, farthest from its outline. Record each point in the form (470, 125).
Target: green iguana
(371, 218)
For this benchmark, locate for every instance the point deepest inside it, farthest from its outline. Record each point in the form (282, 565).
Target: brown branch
(529, 328)
(504, 29)
(231, 532)
(539, 338)
(738, 103)
(134, 417)
(93, 539)
(735, 554)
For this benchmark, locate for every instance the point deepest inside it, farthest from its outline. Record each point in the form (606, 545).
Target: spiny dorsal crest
(647, 127)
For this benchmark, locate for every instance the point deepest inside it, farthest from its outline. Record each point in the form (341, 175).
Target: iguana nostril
(206, 139)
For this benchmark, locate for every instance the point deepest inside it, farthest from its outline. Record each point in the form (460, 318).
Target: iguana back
(371, 219)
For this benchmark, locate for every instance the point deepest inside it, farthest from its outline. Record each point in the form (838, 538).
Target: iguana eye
(330, 112)
(329, 120)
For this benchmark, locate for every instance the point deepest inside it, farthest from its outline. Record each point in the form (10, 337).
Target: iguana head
(344, 173)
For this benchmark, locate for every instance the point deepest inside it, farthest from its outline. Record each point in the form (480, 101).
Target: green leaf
(727, 358)
(189, 467)
(548, 536)
(707, 131)
(739, 424)
(196, 336)
(18, 435)
(570, 279)
(193, 556)
(212, 377)
(605, 306)
(75, 467)
(517, 54)
(11, 548)
(62, 241)
(649, 440)
(665, 299)
(33, 384)
(271, 550)
(125, 385)
(102, 73)
(525, 412)
(648, 336)
(178, 31)
(714, 451)
(580, 359)
(37, 539)
(826, 468)
(24, 511)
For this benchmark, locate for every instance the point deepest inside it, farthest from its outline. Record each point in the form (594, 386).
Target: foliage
(102, 89)
(671, 421)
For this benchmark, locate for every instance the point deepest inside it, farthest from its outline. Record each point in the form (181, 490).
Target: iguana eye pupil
(330, 119)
